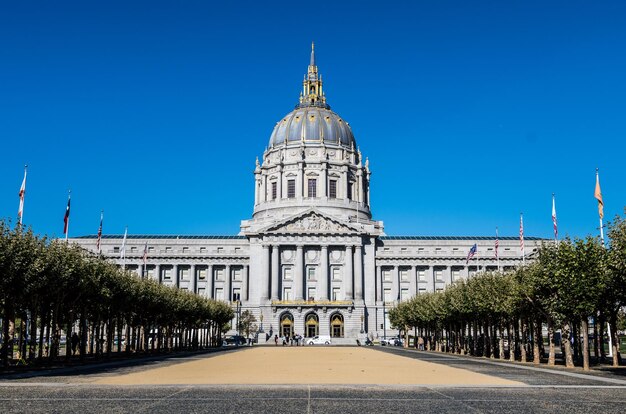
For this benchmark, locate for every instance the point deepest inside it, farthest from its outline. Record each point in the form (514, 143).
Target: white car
(319, 340)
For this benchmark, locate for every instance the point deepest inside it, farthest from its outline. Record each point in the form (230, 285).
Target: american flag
(145, 255)
(99, 232)
(471, 253)
(497, 243)
(521, 233)
(66, 219)
(556, 232)
(20, 211)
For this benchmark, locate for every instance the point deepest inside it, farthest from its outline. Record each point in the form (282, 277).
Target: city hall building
(312, 260)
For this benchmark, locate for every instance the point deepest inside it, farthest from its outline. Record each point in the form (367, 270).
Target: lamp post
(384, 320)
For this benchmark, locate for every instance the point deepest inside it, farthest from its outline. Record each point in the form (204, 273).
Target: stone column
(210, 282)
(279, 184)
(322, 284)
(244, 282)
(323, 181)
(227, 285)
(265, 273)
(157, 273)
(379, 284)
(413, 281)
(176, 275)
(193, 279)
(358, 273)
(348, 274)
(275, 271)
(430, 278)
(395, 283)
(298, 277)
(299, 179)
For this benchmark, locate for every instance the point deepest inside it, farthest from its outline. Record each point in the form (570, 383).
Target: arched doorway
(336, 325)
(286, 324)
(312, 325)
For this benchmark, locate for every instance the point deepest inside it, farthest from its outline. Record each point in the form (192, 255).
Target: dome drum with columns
(311, 260)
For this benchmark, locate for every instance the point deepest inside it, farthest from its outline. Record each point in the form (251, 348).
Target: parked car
(392, 341)
(234, 340)
(319, 340)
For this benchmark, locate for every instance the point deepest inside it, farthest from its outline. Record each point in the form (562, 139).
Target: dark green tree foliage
(502, 314)
(57, 287)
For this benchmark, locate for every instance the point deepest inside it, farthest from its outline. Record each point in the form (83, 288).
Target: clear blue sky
(470, 112)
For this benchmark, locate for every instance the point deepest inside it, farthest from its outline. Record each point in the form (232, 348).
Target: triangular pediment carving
(310, 222)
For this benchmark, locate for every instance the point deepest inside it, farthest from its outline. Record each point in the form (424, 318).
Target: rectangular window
(287, 293)
(274, 190)
(185, 249)
(133, 250)
(150, 249)
(237, 274)
(219, 274)
(387, 296)
(291, 188)
(336, 293)
(202, 273)
(421, 275)
(387, 275)
(287, 273)
(404, 294)
(310, 273)
(439, 275)
(168, 250)
(202, 249)
(311, 293)
(336, 273)
(422, 291)
(116, 250)
(167, 273)
(312, 188)
(220, 250)
(150, 271)
(219, 294)
(456, 275)
(332, 189)
(236, 294)
(184, 273)
(404, 274)
(201, 291)
(349, 191)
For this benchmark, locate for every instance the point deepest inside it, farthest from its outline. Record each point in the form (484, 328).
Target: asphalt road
(545, 390)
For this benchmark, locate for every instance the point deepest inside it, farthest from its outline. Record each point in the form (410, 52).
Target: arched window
(312, 325)
(336, 325)
(286, 324)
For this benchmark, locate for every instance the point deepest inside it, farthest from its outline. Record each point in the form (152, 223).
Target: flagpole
(22, 196)
(601, 203)
(497, 255)
(67, 227)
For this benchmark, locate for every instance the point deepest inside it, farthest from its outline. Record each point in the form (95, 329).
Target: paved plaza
(314, 380)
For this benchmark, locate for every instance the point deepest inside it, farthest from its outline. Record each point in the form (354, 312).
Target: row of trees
(48, 286)
(503, 314)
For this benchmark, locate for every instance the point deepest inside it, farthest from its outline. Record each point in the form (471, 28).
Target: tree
(246, 323)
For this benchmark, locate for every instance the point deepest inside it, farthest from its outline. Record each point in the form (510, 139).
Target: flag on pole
(598, 196)
(123, 248)
(99, 232)
(145, 255)
(20, 211)
(497, 243)
(66, 219)
(471, 253)
(556, 231)
(521, 235)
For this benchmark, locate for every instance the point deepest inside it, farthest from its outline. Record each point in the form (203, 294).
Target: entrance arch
(311, 325)
(336, 325)
(286, 324)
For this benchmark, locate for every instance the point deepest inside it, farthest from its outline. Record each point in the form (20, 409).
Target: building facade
(311, 260)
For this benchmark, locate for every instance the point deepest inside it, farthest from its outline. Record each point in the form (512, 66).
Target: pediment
(312, 222)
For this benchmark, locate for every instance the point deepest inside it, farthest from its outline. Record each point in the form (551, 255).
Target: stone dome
(312, 125)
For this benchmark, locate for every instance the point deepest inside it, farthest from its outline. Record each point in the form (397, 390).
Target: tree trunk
(512, 341)
(585, 350)
(524, 341)
(32, 348)
(551, 355)
(614, 339)
(569, 361)
(596, 349)
(7, 342)
(536, 327)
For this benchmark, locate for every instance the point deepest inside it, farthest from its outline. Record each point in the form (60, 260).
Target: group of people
(292, 340)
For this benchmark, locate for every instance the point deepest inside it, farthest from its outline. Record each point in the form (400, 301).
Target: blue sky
(470, 112)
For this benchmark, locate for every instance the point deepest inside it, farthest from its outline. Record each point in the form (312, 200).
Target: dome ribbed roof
(311, 124)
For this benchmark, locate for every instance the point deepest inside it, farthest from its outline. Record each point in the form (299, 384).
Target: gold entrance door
(286, 325)
(312, 325)
(336, 326)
